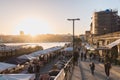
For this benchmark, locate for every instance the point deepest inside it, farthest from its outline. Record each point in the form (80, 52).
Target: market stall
(6, 67)
(17, 76)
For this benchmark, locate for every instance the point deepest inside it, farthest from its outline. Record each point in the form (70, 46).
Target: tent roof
(4, 66)
(113, 43)
(46, 51)
(16, 61)
(17, 76)
(27, 57)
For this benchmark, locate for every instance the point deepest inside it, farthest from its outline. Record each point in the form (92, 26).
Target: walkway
(76, 73)
(82, 72)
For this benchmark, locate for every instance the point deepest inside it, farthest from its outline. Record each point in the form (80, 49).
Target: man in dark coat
(107, 66)
(81, 56)
(75, 57)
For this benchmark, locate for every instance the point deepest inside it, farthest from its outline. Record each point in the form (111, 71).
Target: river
(44, 45)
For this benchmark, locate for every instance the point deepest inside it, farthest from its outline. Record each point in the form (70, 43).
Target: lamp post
(73, 29)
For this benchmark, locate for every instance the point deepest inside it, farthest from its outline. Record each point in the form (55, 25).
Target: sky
(50, 16)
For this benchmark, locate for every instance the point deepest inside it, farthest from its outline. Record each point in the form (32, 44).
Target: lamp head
(73, 19)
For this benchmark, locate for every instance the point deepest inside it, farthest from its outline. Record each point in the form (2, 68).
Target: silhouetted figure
(30, 68)
(107, 58)
(98, 57)
(107, 66)
(85, 56)
(81, 56)
(93, 56)
(75, 57)
(92, 67)
(37, 70)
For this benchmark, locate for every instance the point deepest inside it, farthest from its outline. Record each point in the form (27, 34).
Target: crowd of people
(84, 56)
(92, 57)
(78, 53)
(107, 67)
(35, 66)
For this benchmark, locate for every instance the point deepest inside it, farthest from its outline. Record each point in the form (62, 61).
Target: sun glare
(33, 27)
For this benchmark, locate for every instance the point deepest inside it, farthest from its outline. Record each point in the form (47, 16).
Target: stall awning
(27, 57)
(46, 51)
(4, 66)
(113, 44)
(17, 76)
(16, 61)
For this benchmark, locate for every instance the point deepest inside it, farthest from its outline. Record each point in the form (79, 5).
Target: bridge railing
(66, 72)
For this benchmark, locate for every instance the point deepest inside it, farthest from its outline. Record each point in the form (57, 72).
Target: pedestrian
(30, 68)
(107, 58)
(92, 67)
(81, 56)
(85, 56)
(107, 66)
(37, 70)
(75, 57)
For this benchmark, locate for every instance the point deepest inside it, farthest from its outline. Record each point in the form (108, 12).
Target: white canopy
(46, 51)
(4, 66)
(36, 54)
(28, 57)
(113, 43)
(17, 76)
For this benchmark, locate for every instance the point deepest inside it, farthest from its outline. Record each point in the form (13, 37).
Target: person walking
(85, 56)
(75, 57)
(81, 56)
(92, 67)
(107, 66)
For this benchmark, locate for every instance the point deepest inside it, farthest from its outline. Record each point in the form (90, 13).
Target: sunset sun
(33, 27)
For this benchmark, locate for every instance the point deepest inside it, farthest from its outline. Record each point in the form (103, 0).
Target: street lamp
(73, 29)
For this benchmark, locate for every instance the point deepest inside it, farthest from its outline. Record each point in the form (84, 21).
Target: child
(92, 67)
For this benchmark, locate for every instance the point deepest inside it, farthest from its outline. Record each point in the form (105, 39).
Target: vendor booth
(6, 67)
(17, 76)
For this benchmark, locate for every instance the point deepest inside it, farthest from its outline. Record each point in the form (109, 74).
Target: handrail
(63, 72)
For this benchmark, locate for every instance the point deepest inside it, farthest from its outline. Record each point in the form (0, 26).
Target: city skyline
(49, 16)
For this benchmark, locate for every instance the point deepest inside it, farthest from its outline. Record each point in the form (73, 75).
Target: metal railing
(66, 72)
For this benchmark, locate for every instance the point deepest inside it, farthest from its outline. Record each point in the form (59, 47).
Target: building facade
(104, 22)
